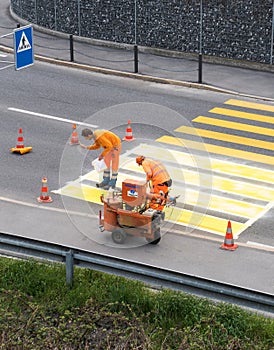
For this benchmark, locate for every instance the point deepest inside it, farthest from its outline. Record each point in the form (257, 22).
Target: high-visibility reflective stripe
(155, 169)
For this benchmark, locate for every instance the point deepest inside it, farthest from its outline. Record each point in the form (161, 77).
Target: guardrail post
(71, 48)
(69, 267)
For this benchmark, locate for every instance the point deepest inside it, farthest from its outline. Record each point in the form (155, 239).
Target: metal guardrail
(25, 247)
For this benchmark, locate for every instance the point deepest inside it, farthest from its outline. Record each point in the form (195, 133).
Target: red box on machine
(133, 192)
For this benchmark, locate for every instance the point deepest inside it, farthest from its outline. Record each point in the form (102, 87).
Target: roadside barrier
(151, 275)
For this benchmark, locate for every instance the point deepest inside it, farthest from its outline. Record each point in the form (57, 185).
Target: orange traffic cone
(44, 196)
(129, 136)
(229, 241)
(20, 148)
(74, 136)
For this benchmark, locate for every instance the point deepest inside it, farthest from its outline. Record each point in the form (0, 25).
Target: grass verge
(101, 311)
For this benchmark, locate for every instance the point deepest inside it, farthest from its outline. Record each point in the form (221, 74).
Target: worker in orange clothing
(111, 144)
(159, 176)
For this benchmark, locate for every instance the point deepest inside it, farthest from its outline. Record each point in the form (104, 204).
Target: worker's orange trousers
(162, 191)
(112, 159)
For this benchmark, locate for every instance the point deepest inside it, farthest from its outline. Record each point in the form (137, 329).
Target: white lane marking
(248, 244)
(260, 245)
(3, 55)
(253, 220)
(41, 115)
(9, 65)
(39, 206)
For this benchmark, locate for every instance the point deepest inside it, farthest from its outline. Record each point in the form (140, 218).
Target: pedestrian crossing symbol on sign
(23, 44)
(23, 47)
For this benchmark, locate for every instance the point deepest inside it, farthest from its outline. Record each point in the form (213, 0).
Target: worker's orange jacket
(106, 139)
(155, 171)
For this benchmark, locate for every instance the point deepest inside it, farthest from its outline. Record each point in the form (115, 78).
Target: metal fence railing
(25, 247)
(130, 59)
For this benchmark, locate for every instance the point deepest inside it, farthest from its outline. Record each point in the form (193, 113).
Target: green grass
(101, 311)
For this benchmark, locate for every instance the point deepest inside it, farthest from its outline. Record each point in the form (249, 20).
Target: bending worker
(111, 144)
(157, 174)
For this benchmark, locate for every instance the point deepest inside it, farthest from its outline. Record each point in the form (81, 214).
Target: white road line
(260, 245)
(41, 115)
(9, 65)
(39, 206)
(3, 55)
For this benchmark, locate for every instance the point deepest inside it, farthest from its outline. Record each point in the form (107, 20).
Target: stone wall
(234, 29)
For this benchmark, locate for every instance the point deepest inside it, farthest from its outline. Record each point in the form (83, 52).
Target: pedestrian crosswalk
(222, 168)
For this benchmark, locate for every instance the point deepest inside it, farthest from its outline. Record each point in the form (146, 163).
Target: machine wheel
(156, 239)
(119, 236)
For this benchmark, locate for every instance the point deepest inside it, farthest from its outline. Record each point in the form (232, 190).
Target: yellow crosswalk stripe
(226, 137)
(222, 204)
(202, 221)
(233, 125)
(242, 170)
(179, 216)
(180, 158)
(223, 184)
(189, 196)
(252, 105)
(255, 157)
(238, 114)
(196, 175)
(185, 159)
(81, 191)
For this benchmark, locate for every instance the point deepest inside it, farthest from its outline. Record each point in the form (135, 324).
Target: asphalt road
(44, 100)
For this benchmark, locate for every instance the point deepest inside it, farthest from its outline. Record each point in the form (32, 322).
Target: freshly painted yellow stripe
(177, 157)
(252, 105)
(179, 216)
(185, 159)
(182, 175)
(244, 115)
(80, 191)
(237, 169)
(217, 203)
(197, 198)
(223, 184)
(202, 221)
(237, 126)
(227, 137)
(230, 152)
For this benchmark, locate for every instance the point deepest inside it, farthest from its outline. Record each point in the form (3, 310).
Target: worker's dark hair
(87, 132)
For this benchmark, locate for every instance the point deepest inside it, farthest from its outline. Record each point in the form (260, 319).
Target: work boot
(112, 182)
(106, 180)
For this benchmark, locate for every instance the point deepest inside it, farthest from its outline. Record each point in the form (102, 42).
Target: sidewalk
(49, 46)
